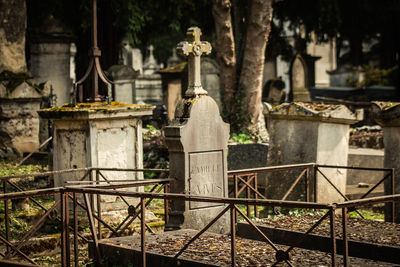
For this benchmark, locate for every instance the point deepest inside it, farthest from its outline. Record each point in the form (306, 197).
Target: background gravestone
(123, 77)
(298, 80)
(210, 79)
(197, 141)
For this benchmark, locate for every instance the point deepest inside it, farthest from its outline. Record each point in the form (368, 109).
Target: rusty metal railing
(248, 180)
(95, 187)
(13, 248)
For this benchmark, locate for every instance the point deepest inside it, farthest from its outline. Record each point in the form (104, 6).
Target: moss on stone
(97, 106)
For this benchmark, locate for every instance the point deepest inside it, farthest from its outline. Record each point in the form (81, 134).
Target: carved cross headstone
(193, 48)
(197, 141)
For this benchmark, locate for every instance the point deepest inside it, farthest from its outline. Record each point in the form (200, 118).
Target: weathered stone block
(97, 135)
(19, 124)
(303, 133)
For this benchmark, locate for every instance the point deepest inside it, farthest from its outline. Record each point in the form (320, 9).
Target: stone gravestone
(124, 77)
(298, 80)
(308, 132)
(51, 58)
(132, 57)
(148, 85)
(197, 142)
(387, 115)
(19, 123)
(210, 79)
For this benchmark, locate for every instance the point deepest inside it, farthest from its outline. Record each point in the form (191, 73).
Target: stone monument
(197, 141)
(298, 80)
(303, 133)
(124, 77)
(51, 58)
(148, 85)
(97, 135)
(387, 115)
(19, 123)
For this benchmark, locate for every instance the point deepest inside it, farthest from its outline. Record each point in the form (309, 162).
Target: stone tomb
(197, 141)
(303, 133)
(97, 135)
(387, 116)
(19, 124)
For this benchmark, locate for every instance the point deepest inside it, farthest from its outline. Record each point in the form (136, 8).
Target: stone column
(387, 115)
(197, 141)
(303, 133)
(97, 135)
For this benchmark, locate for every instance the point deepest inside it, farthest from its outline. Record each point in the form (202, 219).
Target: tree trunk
(258, 29)
(225, 48)
(12, 35)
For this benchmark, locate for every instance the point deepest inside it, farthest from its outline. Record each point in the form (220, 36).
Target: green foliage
(368, 214)
(241, 138)
(7, 168)
(373, 76)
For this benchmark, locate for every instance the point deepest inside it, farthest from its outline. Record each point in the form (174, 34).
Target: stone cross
(193, 48)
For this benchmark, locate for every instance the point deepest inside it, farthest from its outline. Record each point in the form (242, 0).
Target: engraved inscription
(206, 176)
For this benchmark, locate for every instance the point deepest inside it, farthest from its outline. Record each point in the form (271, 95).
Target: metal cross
(193, 48)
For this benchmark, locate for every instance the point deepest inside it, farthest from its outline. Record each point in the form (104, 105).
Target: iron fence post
(75, 213)
(333, 236)
(233, 235)
(6, 215)
(98, 199)
(63, 231)
(393, 186)
(235, 192)
(166, 216)
(143, 230)
(315, 168)
(248, 196)
(345, 239)
(255, 194)
(306, 185)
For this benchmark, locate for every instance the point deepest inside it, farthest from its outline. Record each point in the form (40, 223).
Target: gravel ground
(215, 249)
(358, 229)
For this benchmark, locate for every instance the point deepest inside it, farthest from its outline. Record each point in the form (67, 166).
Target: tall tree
(244, 79)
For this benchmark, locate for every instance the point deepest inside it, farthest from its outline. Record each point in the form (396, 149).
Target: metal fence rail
(99, 185)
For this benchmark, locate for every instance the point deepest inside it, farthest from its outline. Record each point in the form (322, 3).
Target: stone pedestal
(19, 124)
(303, 133)
(387, 115)
(97, 135)
(197, 142)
